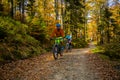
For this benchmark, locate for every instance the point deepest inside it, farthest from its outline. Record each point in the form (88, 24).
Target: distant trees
(48, 12)
(103, 13)
(106, 17)
(108, 21)
(85, 19)
(75, 18)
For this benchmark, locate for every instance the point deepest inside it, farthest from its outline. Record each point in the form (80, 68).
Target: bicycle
(68, 45)
(57, 47)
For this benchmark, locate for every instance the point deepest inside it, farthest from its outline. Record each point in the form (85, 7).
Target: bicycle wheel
(55, 52)
(70, 47)
(61, 51)
(67, 47)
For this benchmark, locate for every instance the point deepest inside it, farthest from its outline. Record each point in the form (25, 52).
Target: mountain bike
(57, 47)
(68, 46)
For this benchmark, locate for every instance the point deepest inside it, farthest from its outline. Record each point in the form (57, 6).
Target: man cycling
(69, 38)
(58, 32)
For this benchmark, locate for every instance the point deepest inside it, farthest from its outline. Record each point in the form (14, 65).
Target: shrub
(113, 48)
(15, 42)
(79, 43)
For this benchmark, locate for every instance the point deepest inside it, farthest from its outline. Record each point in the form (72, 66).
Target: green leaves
(15, 42)
(75, 15)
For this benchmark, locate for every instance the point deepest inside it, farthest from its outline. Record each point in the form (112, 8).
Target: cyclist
(58, 32)
(69, 38)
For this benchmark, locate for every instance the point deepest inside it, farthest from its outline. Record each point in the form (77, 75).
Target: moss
(16, 43)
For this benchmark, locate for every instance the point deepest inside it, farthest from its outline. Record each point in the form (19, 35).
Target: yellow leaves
(35, 20)
(88, 6)
(6, 8)
(101, 1)
(115, 13)
(17, 15)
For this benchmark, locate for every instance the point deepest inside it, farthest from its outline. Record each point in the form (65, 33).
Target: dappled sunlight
(78, 51)
(25, 39)
(49, 58)
(78, 64)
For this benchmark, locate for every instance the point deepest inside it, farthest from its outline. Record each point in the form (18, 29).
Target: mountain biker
(58, 32)
(69, 38)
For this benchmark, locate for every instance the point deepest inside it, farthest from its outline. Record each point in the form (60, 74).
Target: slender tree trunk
(84, 22)
(56, 9)
(1, 7)
(62, 14)
(23, 10)
(108, 34)
(20, 10)
(12, 7)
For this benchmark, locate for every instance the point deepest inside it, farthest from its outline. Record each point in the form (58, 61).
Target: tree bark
(23, 10)
(12, 5)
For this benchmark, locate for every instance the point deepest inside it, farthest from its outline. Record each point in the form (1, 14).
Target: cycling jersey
(58, 33)
(68, 37)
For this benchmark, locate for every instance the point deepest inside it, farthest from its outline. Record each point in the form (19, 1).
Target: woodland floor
(80, 64)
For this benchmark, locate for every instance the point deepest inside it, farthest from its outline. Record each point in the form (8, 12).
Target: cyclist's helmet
(58, 26)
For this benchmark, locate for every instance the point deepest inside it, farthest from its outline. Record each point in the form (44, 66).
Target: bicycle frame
(58, 40)
(56, 47)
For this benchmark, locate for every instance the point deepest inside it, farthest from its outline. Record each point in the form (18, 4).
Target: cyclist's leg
(68, 43)
(54, 47)
(59, 48)
(70, 46)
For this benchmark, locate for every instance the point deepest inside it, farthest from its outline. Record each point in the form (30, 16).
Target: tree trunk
(85, 22)
(12, 9)
(56, 9)
(108, 35)
(20, 10)
(23, 10)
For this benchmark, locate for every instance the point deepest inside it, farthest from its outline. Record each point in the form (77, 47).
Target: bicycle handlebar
(57, 38)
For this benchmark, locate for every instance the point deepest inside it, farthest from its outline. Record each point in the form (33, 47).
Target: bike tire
(67, 47)
(55, 53)
(70, 48)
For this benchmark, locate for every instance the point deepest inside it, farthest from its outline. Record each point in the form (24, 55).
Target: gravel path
(73, 66)
(76, 65)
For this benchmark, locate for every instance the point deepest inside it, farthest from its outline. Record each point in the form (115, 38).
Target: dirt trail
(73, 66)
(76, 65)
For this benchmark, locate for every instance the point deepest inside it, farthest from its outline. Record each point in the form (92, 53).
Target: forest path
(80, 64)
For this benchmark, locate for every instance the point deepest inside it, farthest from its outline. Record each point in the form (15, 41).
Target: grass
(99, 50)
